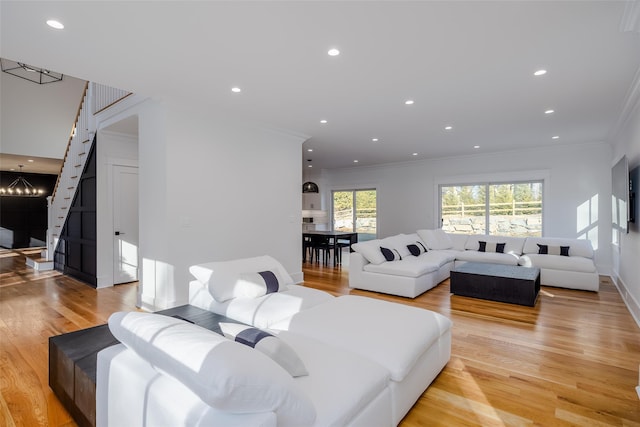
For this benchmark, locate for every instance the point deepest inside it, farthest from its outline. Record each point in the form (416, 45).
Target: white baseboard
(297, 277)
(632, 304)
(156, 304)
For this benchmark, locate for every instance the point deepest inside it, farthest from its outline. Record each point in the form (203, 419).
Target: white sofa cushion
(263, 311)
(513, 245)
(558, 262)
(439, 258)
(253, 285)
(398, 243)
(341, 384)
(223, 373)
(372, 328)
(436, 239)
(492, 257)
(458, 240)
(265, 342)
(224, 278)
(577, 247)
(409, 267)
(370, 250)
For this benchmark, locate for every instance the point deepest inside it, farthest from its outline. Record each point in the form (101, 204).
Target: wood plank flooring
(572, 360)
(34, 306)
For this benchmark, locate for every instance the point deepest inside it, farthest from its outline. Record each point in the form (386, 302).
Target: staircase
(95, 98)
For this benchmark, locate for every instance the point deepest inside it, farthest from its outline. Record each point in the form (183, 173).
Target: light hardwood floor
(572, 360)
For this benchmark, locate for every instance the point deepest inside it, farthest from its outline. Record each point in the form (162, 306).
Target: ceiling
(469, 65)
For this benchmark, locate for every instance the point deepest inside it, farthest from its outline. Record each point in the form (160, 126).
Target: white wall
(576, 199)
(626, 268)
(37, 119)
(212, 190)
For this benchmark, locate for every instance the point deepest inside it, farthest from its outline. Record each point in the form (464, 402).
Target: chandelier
(20, 187)
(28, 72)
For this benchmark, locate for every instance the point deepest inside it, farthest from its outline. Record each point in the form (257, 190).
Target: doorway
(356, 211)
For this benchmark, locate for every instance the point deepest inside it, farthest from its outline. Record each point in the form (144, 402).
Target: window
(509, 209)
(355, 210)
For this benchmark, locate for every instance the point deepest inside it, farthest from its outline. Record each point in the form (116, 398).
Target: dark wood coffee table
(73, 358)
(497, 282)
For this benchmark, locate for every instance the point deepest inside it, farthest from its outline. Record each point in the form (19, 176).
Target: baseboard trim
(632, 304)
(156, 304)
(298, 277)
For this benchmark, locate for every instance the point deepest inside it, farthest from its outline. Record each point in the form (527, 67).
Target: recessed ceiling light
(310, 166)
(555, 137)
(540, 73)
(476, 146)
(236, 89)
(448, 127)
(310, 149)
(55, 24)
(323, 121)
(374, 139)
(414, 154)
(333, 52)
(549, 111)
(409, 102)
(355, 161)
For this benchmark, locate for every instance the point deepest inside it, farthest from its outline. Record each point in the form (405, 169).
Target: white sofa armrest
(356, 268)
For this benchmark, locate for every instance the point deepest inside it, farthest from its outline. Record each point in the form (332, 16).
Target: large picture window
(501, 209)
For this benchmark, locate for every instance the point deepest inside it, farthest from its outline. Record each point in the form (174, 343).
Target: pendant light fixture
(20, 187)
(310, 187)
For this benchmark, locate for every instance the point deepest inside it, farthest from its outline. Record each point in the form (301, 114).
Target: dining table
(334, 239)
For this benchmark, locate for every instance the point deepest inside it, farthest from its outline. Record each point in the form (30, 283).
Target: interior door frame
(112, 170)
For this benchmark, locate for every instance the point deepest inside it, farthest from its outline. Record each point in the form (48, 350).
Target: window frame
(354, 216)
(536, 178)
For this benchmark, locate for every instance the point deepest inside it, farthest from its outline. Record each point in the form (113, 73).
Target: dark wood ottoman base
(73, 358)
(496, 282)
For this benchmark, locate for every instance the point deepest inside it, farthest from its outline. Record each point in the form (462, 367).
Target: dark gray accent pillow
(390, 254)
(414, 250)
(270, 281)
(251, 336)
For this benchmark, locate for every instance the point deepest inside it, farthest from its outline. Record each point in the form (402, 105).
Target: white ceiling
(465, 64)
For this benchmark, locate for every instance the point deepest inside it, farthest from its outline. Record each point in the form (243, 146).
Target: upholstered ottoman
(413, 344)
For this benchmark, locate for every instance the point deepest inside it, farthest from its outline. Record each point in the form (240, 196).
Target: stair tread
(38, 258)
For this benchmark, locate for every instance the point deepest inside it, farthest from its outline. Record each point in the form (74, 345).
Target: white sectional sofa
(575, 271)
(386, 265)
(367, 361)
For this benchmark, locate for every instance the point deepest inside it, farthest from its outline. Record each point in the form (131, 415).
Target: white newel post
(50, 227)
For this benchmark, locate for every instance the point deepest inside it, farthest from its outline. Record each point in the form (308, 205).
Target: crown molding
(632, 101)
(630, 21)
